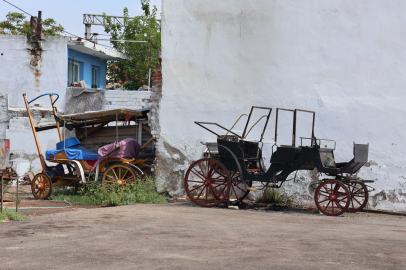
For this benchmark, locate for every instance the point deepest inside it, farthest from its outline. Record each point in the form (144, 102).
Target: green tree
(133, 72)
(15, 24)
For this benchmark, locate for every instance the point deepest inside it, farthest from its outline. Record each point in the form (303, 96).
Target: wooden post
(44, 168)
(17, 198)
(2, 192)
(57, 124)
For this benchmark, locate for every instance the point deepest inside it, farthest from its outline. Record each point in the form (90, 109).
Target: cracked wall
(331, 57)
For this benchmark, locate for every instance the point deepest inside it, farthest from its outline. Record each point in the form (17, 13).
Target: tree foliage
(15, 24)
(133, 72)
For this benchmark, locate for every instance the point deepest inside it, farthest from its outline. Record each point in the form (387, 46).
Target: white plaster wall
(18, 77)
(344, 60)
(22, 144)
(122, 99)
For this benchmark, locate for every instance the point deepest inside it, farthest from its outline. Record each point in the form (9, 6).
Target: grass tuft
(271, 195)
(12, 215)
(114, 195)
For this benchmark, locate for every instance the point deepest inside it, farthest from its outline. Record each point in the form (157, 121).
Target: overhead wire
(33, 16)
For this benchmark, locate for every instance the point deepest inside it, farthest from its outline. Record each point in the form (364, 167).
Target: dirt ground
(185, 236)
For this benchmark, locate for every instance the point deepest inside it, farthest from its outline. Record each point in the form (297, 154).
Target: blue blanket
(74, 152)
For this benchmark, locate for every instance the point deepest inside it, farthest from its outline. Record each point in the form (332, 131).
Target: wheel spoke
(338, 205)
(114, 173)
(198, 175)
(201, 169)
(200, 194)
(126, 173)
(327, 205)
(196, 188)
(212, 171)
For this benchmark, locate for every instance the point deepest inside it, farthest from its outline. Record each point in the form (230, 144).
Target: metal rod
(314, 117)
(57, 123)
(294, 128)
(150, 53)
(276, 125)
(64, 135)
(124, 40)
(149, 80)
(248, 120)
(2, 192)
(85, 134)
(266, 123)
(35, 135)
(116, 128)
(17, 198)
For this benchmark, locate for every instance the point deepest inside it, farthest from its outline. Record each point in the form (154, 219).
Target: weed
(271, 195)
(12, 215)
(114, 195)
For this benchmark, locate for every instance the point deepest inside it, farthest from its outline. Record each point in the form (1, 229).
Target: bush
(112, 195)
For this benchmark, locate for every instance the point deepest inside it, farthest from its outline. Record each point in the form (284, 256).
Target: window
(73, 73)
(94, 77)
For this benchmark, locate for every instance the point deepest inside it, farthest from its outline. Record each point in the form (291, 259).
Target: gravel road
(184, 236)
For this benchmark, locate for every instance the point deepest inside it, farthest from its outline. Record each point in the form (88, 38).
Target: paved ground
(184, 236)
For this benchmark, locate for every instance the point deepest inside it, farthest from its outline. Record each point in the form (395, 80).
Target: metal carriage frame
(228, 174)
(71, 172)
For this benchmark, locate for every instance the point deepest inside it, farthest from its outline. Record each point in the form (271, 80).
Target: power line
(33, 16)
(18, 8)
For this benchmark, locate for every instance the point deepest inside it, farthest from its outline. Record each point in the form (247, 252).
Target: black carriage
(228, 172)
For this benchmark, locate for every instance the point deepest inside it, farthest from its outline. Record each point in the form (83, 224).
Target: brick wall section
(125, 99)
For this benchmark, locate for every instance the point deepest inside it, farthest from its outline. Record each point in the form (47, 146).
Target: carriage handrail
(228, 130)
(211, 123)
(254, 126)
(222, 137)
(45, 95)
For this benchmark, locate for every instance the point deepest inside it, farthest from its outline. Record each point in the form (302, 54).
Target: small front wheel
(41, 186)
(207, 182)
(332, 197)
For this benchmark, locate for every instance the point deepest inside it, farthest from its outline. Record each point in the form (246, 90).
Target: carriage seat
(73, 150)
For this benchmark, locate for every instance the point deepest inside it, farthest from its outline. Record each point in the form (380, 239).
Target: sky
(70, 13)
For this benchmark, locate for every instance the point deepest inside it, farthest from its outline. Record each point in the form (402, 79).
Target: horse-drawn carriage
(76, 165)
(229, 172)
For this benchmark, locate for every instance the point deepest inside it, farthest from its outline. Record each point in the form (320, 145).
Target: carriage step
(252, 188)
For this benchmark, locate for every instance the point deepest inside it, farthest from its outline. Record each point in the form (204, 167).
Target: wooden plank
(92, 130)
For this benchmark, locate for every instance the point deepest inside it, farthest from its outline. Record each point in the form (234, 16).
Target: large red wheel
(207, 182)
(332, 197)
(238, 190)
(359, 196)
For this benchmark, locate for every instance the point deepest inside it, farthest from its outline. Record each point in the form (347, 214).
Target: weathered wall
(118, 99)
(344, 60)
(3, 115)
(21, 73)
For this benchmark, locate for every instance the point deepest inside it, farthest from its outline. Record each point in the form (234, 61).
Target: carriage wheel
(238, 190)
(359, 196)
(207, 182)
(41, 186)
(332, 197)
(120, 174)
